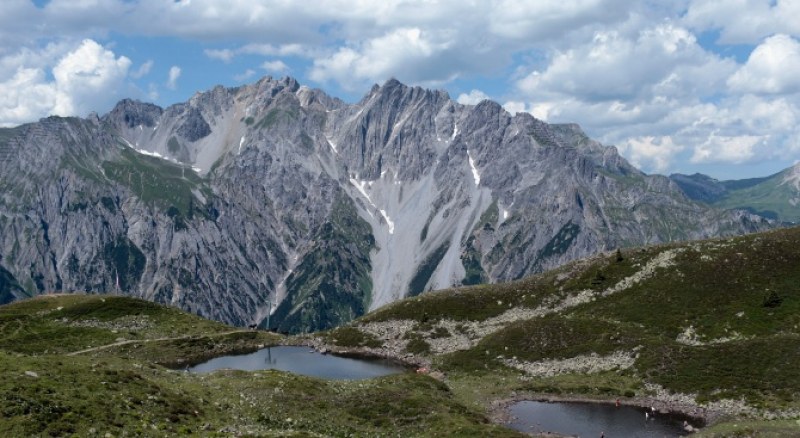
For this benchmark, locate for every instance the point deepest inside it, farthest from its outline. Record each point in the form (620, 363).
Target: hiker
(617, 402)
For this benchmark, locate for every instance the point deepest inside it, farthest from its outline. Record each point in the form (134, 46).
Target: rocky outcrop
(274, 197)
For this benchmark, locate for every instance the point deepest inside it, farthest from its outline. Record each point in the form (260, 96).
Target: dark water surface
(592, 419)
(302, 360)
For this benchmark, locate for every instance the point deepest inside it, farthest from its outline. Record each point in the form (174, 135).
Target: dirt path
(139, 341)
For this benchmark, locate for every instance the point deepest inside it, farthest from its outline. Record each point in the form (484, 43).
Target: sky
(677, 86)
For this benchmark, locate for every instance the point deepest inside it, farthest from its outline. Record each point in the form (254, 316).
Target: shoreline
(682, 405)
(698, 417)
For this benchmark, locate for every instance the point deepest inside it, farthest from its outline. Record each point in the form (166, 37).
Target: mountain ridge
(274, 197)
(776, 196)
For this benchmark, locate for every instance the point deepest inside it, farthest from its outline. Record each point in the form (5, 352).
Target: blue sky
(679, 86)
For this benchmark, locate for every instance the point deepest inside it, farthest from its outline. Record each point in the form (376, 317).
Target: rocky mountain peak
(274, 197)
(132, 113)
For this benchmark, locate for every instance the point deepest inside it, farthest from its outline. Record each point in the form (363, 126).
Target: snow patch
(362, 187)
(241, 142)
(455, 132)
(157, 155)
(332, 144)
(388, 221)
(475, 174)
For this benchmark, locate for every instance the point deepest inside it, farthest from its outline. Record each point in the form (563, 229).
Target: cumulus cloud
(744, 21)
(82, 73)
(172, 77)
(410, 48)
(25, 97)
(726, 149)
(224, 55)
(773, 68)
(143, 70)
(659, 96)
(276, 66)
(86, 78)
(540, 110)
(521, 20)
(625, 67)
(418, 41)
(649, 152)
(632, 73)
(473, 98)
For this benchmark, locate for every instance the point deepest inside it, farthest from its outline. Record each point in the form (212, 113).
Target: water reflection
(594, 420)
(302, 360)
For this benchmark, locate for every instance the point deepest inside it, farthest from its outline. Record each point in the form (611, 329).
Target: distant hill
(773, 197)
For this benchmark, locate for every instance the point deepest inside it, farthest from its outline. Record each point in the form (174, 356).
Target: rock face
(274, 197)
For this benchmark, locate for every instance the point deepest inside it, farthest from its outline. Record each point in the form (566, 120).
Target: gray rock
(277, 197)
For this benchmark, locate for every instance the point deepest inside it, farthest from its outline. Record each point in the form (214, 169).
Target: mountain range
(275, 198)
(775, 197)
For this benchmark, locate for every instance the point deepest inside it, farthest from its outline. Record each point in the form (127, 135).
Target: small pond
(592, 419)
(302, 360)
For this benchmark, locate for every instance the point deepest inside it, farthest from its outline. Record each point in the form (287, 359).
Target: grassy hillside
(711, 325)
(771, 198)
(709, 328)
(93, 365)
(775, 197)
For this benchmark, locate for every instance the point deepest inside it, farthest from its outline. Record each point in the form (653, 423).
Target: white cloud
(143, 70)
(618, 66)
(726, 149)
(249, 73)
(428, 43)
(773, 68)
(473, 98)
(515, 107)
(649, 152)
(662, 98)
(632, 73)
(86, 78)
(25, 97)
(227, 55)
(411, 49)
(224, 55)
(540, 110)
(744, 21)
(174, 74)
(519, 20)
(85, 72)
(276, 66)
